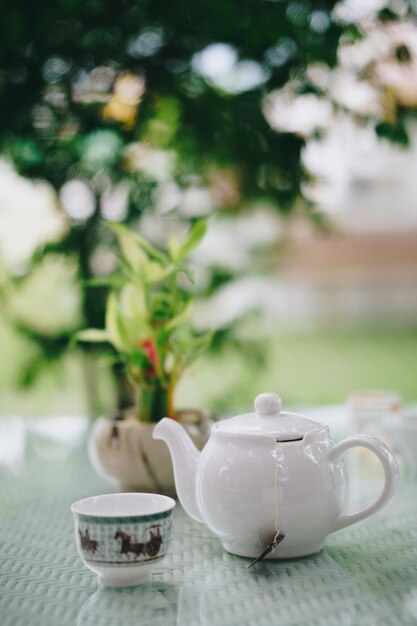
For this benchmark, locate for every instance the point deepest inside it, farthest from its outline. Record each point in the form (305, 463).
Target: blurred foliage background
(154, 114)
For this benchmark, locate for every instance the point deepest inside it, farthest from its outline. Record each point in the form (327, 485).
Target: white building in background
(363, 272)
(366, 270)
(366, 185)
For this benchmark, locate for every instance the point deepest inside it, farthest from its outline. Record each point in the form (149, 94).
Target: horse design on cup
(154, 544)
(87, 544)
(130, 546)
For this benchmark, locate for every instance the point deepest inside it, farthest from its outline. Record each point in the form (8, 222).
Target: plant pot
(124, 453)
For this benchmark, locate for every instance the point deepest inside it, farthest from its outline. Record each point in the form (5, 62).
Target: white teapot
(270, 471)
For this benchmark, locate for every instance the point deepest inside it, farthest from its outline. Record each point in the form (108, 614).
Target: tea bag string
(279, 535)
(277, 445)
(275, 540)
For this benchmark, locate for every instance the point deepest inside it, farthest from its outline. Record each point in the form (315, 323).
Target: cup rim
(87, 506)
(374, 400)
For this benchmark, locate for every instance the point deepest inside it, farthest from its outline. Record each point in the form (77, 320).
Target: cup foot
(124, 581)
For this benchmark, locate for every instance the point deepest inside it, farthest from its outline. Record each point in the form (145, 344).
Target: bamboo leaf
(133, 300)
(91, 335)
(192, 240)
(181, 317)
(151, 250)
(187, 347)
(135, 330)
(130, 246)
(155, 273)
(173, 247)
(136, 248)
(113, 326)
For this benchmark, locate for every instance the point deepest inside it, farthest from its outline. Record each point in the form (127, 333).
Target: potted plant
(148, 324)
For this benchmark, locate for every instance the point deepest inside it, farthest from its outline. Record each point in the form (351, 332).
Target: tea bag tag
(279, 536)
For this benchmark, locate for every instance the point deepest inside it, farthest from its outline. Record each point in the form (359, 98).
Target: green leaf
(127, 270)
(186, 346)
(194, 237)
(114, 329)
(200, 343)
(125, 328)
(133, 300)
(181, 317)
(130, 246)
(173, 247)
(135, 247)
(135, 330)
(114, 280)
(91, 335)
(396, 133)
(154, 272)
(109, 359)
(150, 272)
(138, 358)
(151, 250)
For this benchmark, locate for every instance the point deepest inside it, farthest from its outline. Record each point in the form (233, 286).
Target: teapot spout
(185, 458)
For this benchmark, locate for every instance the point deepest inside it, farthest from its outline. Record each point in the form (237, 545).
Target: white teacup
(122, 536)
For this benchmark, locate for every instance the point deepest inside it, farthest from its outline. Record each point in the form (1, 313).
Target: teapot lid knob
(268, 404)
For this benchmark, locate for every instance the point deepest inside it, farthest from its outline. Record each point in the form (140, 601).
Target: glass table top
(366, 575)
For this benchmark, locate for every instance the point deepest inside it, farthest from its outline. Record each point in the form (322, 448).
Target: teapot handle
(390, 467)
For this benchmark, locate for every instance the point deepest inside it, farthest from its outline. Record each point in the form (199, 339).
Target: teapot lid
(269, 419)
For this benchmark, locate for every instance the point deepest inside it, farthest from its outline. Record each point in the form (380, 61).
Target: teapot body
(248, 488)
(270, 471)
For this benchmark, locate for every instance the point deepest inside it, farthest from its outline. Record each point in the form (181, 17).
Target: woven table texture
(366, 575)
